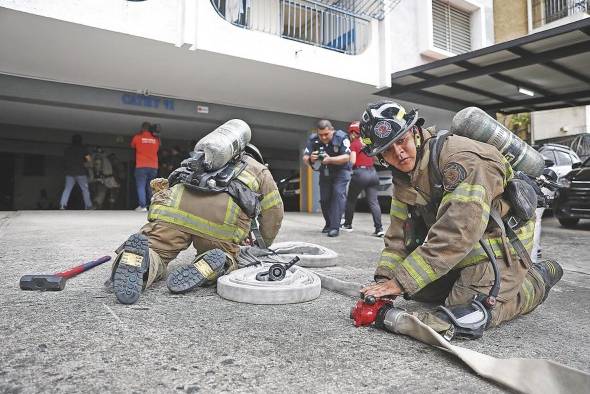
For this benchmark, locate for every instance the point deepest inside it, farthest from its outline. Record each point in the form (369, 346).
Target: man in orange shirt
(146, 144)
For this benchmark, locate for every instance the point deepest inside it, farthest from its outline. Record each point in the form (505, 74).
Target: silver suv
(562, 157)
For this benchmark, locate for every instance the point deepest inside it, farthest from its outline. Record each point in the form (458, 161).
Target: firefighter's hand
(388, 288)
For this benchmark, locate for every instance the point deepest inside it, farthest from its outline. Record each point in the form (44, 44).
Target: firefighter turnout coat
(474, 176)
(216, 216)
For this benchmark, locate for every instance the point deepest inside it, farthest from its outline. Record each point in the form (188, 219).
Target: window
(547, 11)
(548, 155)
(563, 159)
(451, 28)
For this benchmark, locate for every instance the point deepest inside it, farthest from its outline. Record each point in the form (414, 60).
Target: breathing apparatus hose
(490, 300)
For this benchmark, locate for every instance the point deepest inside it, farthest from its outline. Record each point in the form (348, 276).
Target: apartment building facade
(100, 67)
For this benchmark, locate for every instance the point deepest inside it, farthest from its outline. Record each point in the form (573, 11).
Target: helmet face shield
(384, 123)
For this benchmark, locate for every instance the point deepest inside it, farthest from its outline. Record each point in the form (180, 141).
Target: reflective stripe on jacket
(462, 217)
(216, 215)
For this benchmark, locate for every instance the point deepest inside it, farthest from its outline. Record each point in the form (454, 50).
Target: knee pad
(467, 321)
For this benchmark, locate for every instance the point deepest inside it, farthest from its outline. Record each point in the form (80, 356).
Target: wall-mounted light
(526, 91)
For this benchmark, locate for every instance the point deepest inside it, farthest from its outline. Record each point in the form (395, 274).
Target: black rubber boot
(133, 263)
(551, 272)
(202, 272)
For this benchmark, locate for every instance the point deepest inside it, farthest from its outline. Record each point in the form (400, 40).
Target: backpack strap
(428, 212)
(255, 230)
(512, 237)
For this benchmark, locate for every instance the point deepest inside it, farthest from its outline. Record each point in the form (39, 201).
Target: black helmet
(253, 152)
(384, 123)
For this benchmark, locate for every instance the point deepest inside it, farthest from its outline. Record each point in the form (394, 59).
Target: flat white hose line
(521, 374)
(310, 255)
(299, 285)
(350, 289)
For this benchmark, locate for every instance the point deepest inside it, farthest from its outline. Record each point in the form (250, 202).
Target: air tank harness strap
(512, 237)
(436, 145)
(257, 234)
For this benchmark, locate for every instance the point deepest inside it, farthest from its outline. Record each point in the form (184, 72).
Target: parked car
(581, 145)
(563, 159)
(572, 201)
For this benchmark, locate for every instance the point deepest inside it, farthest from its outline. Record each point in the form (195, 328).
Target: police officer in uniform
(214, 221)
(328, 151)
(433, 251)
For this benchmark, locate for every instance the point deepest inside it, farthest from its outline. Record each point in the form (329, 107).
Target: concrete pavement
(81, 340)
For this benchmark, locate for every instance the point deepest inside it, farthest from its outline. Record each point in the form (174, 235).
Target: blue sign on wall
(147, 101)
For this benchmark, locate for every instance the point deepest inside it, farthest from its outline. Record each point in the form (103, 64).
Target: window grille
(547, 11)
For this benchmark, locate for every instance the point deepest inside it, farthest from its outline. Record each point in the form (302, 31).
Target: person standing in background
(76, 155)
(146, 144)
(364, 177)
(328, 151)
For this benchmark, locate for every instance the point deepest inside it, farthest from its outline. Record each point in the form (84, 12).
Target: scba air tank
(224, 143)
(474, 123)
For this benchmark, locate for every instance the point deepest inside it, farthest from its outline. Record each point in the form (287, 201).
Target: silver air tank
(474, 123)
(224, 143)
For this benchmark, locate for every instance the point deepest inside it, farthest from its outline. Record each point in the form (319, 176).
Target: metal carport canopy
(553, 64)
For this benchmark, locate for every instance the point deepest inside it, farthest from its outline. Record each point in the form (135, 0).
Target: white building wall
(560, 122)
(197, 24)
(155, 19)
(273, 49)
(411, 31)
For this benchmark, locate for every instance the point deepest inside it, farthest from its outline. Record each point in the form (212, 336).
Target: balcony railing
(309, 22)
(547, 11)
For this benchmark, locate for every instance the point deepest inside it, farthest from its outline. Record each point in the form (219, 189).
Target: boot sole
(128, 279)
(186, 278)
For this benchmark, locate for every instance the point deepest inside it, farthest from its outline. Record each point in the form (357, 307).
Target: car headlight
(564, 182)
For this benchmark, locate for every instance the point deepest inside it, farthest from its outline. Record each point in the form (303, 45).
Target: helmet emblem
(382, 129)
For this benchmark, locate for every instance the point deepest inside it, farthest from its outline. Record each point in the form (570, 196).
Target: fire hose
(520, 374)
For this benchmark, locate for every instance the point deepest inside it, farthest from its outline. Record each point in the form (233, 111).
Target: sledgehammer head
(43, 282)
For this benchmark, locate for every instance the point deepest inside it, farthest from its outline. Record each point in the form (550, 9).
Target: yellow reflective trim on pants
(419, 269)
(390, 260)
(224, 232)
(477, 254)
(529, 295)
(249, 180)
(398, 209)
(270, 200)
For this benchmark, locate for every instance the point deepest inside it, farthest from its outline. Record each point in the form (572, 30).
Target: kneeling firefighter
(462, 222)
(215, 200)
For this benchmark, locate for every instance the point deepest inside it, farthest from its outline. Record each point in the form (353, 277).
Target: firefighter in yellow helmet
(445, 241)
